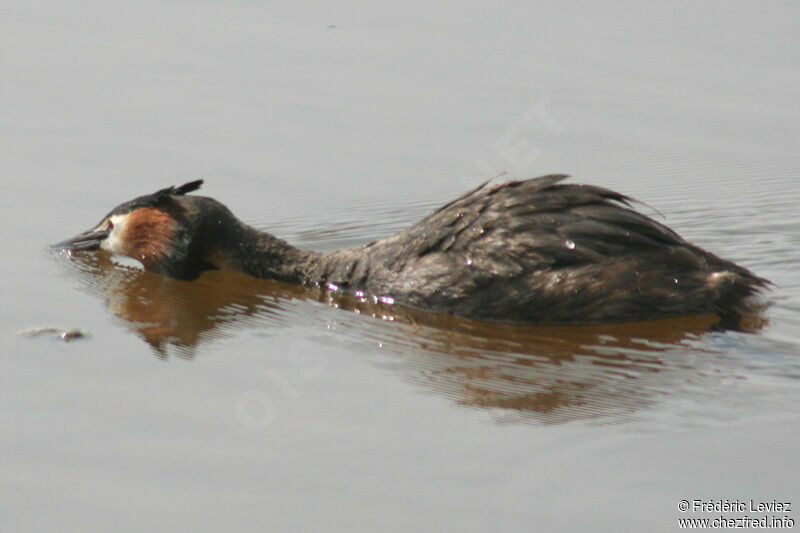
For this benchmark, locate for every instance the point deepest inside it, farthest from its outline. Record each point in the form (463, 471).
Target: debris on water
(62, 334)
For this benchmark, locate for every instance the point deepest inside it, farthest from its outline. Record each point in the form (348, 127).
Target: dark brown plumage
(535, 251)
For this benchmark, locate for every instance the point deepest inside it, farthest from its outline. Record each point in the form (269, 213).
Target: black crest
(156, 198)
(178, 191)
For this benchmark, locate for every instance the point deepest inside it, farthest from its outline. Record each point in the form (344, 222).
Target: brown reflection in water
(548, 374)
(168, 313)
(556, 373)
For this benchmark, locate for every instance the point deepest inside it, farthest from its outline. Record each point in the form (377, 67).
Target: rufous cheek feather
(148, 235)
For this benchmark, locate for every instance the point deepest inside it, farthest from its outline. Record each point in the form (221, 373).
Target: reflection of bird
(535, 251)
(547, 374)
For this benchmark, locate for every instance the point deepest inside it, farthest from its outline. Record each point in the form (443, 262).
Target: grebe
(532, 251)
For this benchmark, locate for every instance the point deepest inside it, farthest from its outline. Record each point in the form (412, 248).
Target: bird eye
(110, 225)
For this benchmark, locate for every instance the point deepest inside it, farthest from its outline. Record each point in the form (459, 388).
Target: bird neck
(243, 248)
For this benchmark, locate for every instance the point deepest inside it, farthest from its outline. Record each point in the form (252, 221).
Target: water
(244, 404)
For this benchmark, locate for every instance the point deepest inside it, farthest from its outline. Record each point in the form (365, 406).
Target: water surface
(245, 404)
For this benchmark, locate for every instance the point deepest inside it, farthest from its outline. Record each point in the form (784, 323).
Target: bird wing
(516, 226)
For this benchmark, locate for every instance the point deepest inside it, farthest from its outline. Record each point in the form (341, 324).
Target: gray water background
(332, 124)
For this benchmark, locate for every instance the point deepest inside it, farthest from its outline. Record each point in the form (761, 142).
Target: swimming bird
(533, 251)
